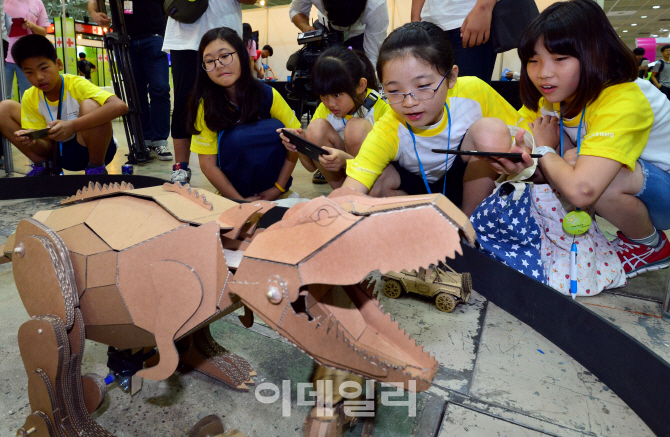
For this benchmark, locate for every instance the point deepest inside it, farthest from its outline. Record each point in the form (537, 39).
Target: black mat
(51, 186)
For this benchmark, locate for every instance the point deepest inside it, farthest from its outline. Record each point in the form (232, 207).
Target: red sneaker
(638, 258)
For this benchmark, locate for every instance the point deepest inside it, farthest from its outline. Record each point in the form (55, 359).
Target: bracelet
(279, 187)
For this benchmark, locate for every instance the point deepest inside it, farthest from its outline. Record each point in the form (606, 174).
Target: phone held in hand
(305, 147)
(37, 134)
(514, 157)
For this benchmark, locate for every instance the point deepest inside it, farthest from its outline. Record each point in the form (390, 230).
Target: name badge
(128, 7)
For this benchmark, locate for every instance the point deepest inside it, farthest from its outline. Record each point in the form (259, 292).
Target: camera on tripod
(301, 62)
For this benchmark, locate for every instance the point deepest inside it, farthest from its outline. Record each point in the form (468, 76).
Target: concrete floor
(497, 376)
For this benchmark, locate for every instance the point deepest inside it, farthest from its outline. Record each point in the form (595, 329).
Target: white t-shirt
(374, 22)
(221, 13)
(448, 14)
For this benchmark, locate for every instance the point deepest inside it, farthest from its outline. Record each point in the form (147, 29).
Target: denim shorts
(655, 194)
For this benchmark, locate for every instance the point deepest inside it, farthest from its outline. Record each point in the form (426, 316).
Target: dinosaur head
(303, 276)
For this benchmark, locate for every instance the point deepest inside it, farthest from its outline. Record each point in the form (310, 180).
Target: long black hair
(339, 70)
(424, 41)
(220, 113)
(579, 29)
(247, 33)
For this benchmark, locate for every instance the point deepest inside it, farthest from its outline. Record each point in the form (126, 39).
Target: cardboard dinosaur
(151, 267)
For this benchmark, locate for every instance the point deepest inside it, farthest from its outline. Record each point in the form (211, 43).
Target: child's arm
(584, 183)
(287, 169)
(350, 182)
(654, 80)
(415, 12)
(63, 129)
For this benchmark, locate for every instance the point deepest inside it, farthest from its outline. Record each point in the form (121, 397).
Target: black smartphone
(37, 134)
(305, 147)
(514, 157)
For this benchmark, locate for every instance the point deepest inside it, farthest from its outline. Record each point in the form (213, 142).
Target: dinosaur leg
(180, 294)
(205, 355)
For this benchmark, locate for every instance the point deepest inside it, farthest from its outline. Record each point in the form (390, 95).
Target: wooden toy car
(447, 287)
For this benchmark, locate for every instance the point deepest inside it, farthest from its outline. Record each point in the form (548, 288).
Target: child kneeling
(78, 113)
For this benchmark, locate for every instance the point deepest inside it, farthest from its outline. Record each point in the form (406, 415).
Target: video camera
(301, 62)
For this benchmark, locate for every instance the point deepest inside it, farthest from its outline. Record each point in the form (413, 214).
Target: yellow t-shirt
(205, 143)
(36, 114)
(373, 115)
(390, 140)
(626, 122)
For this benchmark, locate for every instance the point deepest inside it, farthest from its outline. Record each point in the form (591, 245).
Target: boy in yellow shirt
(78, 113)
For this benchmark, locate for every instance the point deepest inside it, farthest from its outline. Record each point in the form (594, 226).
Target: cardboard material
(142, 220)
(38, 277)
(189, 193)
(64, 218)
(101, 269)
(82, 240)
(93, 191)
(35, 228)
(206, 356)
(104, 306)
(79, 269)
(181, 294)
(121, 336)
(42, 216)
(189, 211)
(37, 424)
(145, 273)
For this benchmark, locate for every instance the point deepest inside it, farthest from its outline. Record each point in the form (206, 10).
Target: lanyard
(579, 133)
(60, 105)
(423, 173)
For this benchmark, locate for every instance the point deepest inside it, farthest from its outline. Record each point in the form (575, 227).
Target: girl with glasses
(350, 105)
(431, 109)
(234, 119)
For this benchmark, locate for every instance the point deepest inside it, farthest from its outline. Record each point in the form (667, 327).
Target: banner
(70, 47)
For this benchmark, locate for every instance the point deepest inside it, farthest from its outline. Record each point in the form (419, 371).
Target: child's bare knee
(87, 106)
(355, 132)
(489, 134)
(316, 130)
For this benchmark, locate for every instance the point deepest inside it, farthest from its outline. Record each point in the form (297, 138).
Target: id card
(128, 7)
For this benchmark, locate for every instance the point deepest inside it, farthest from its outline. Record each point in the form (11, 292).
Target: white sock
(651, 241)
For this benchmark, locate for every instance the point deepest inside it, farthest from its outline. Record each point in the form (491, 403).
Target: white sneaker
(161, 149)
(180, 175)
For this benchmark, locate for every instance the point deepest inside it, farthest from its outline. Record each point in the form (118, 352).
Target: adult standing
(35, 21)
(145, 24)
(660, 74)
(182, 41)
(364, 23)
(468, 26)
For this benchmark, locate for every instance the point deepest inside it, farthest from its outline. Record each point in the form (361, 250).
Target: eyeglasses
(224, 59)
(417, 94)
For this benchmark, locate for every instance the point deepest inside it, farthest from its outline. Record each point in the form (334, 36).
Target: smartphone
(37, 134)
(514, 157)
(305, 147)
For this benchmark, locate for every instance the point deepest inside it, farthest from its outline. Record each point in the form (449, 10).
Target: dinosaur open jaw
(346, 328)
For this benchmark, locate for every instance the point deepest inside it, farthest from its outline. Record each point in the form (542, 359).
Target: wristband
(544, 150)
(279, 187)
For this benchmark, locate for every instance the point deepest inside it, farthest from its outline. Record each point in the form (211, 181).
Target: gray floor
(497, 377)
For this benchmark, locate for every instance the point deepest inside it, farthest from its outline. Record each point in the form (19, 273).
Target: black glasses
(224, 59)
(417, 94)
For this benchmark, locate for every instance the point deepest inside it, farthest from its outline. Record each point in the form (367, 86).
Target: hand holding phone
(305, 147)
(36, 134)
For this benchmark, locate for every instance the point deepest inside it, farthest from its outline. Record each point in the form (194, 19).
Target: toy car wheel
(392, 289)
(466, 286)
(445, 302)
